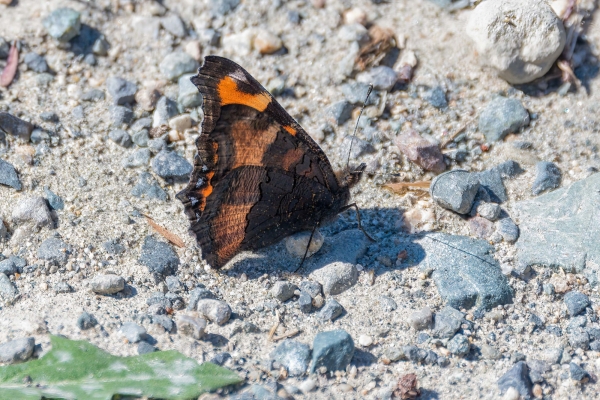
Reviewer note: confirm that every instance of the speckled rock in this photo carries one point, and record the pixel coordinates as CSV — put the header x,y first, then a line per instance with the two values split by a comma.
x,y
17,350
332,350
293,355
169,164
159,257
336,277
215,311
501,117
191,325
107,284
455,190
63,24
8,175
296,244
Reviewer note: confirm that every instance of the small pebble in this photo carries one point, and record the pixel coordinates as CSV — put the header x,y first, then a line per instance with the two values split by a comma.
x,y
548,177
164,111
121,90
107,284
15,126
459,345
381,77
267,42
296,244
336,277
293,355
63,24
145,348
365,340
133,332
181,122
577,373
54,250
215,311
120,137
421,151
489,211
120,116
332,350
147,98
176,64
516,377
17,350
576,302
421,320
86,321
507,229
174,25
35,62
188,95
138,158
437,97
93,95
169,164
501,117
331,310
159,257
455,190
191,325
9,176
340,112
283,290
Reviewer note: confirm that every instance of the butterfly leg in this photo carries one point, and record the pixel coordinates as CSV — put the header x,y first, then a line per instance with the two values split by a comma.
x,y
358,219
312,233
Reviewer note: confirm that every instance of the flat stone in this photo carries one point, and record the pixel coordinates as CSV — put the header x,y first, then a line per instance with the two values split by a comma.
x,y
345,247
283,290
169,164
332,350
133,332
120,115
54,250
138,158
113,246
421,320
8,175
196,295
107,284
455,190
8,290
122,91
176,64
188,96
86,321
164,111
63,287
501,117
54,200
174,25
34,209
577,373
447,322
312,288
555,228
15,126
191,325
296,244
490,353
517,377
421,151
340,112
381,77
159,257
331,310
120,137
63,24
148,188
576,302
145,348
93,95
36,62
547,177
17,350
293,355
464,271
336,277
164,322
459,345
492,180
215,311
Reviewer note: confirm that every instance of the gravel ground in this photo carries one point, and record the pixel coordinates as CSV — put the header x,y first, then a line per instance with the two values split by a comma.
x,y
81,154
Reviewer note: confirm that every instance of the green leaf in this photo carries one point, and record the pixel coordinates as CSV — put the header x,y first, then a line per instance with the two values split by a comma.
x,y
75,369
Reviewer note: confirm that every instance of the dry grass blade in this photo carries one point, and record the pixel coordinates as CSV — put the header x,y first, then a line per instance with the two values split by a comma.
x,y
10,70
401,186
285,335
381,41
170,236
407,387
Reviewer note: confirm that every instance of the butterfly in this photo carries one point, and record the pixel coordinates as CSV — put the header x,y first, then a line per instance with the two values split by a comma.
x,y
258,177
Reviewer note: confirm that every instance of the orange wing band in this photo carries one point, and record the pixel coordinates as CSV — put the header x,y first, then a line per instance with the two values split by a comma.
x,y
231,94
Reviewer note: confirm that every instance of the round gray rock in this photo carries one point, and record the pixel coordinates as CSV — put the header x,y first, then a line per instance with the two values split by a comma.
x,y
455,190
107,284
336,277
501,117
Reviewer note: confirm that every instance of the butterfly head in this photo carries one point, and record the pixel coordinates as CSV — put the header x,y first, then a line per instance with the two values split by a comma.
x,y
351,176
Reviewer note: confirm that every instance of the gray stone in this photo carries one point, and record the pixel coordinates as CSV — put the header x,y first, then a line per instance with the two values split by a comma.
x,y
35,62
4,49
455,190
490,352
332,350
176,64
147,187
100,46
421,320
464,271
188,96
90,59
387,304
142,123
216,311
579,338
340,112
113,247
122,91
447,322
120,116
421,151
336,277
553,355
38,136
86,321
163,321
54,200
491,180
556,228
459,345
283,290
63,24
164,111
120,137
8,267
141,138
138,158
305,302
3,231
437,97
222,7
173,284
197,294
356,93
311,287
547,176
63,287
133,332
501,117
93,95
54,250
489,211
174,25
107,284
293,355
594,333
34,209
191,325
8,175
331,310
577,373
145,348
359,147
507,229
576,302
8,290
169,164
17,350
77,114
157,145
15,126
413,353
537,369
517,377
49,116
159,257
381,77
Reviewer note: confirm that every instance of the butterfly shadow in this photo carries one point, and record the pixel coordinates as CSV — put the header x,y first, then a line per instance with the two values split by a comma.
x,y
345,243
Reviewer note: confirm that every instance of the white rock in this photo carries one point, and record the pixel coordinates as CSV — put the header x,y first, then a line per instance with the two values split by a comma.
x,y
191,325
511,394
266,42
296,244
33,209
107,284
521,39
308,385
239,44
365,340
181,122
214,310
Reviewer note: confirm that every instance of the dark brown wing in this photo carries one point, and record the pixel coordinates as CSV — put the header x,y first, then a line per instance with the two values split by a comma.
x,y
243,127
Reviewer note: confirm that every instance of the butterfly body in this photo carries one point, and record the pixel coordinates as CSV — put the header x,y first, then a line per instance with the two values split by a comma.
x,y
258,176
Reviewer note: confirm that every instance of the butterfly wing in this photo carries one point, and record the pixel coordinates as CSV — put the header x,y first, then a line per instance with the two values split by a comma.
x,y
258,175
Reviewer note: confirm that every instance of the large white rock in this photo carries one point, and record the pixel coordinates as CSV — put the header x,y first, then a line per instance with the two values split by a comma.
x,y
521,39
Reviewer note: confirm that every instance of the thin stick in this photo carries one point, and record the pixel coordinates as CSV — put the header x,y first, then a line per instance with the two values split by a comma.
x,y
357,121
358,219
307,246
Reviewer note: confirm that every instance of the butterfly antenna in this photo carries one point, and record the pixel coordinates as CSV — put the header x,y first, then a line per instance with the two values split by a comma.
x,y
357,121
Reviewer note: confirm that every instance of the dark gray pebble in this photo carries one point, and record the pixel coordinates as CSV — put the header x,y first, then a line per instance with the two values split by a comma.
x,y
147,187
340,112
35,62
15,126
120,116
501,117
455,190
145,348
159,257
54,250
293,355
518,378
577,373
17,350
120,137
93,95
169,164
547,177
8,175
576,302
122,91
331,310
86,321
437,97
332,350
